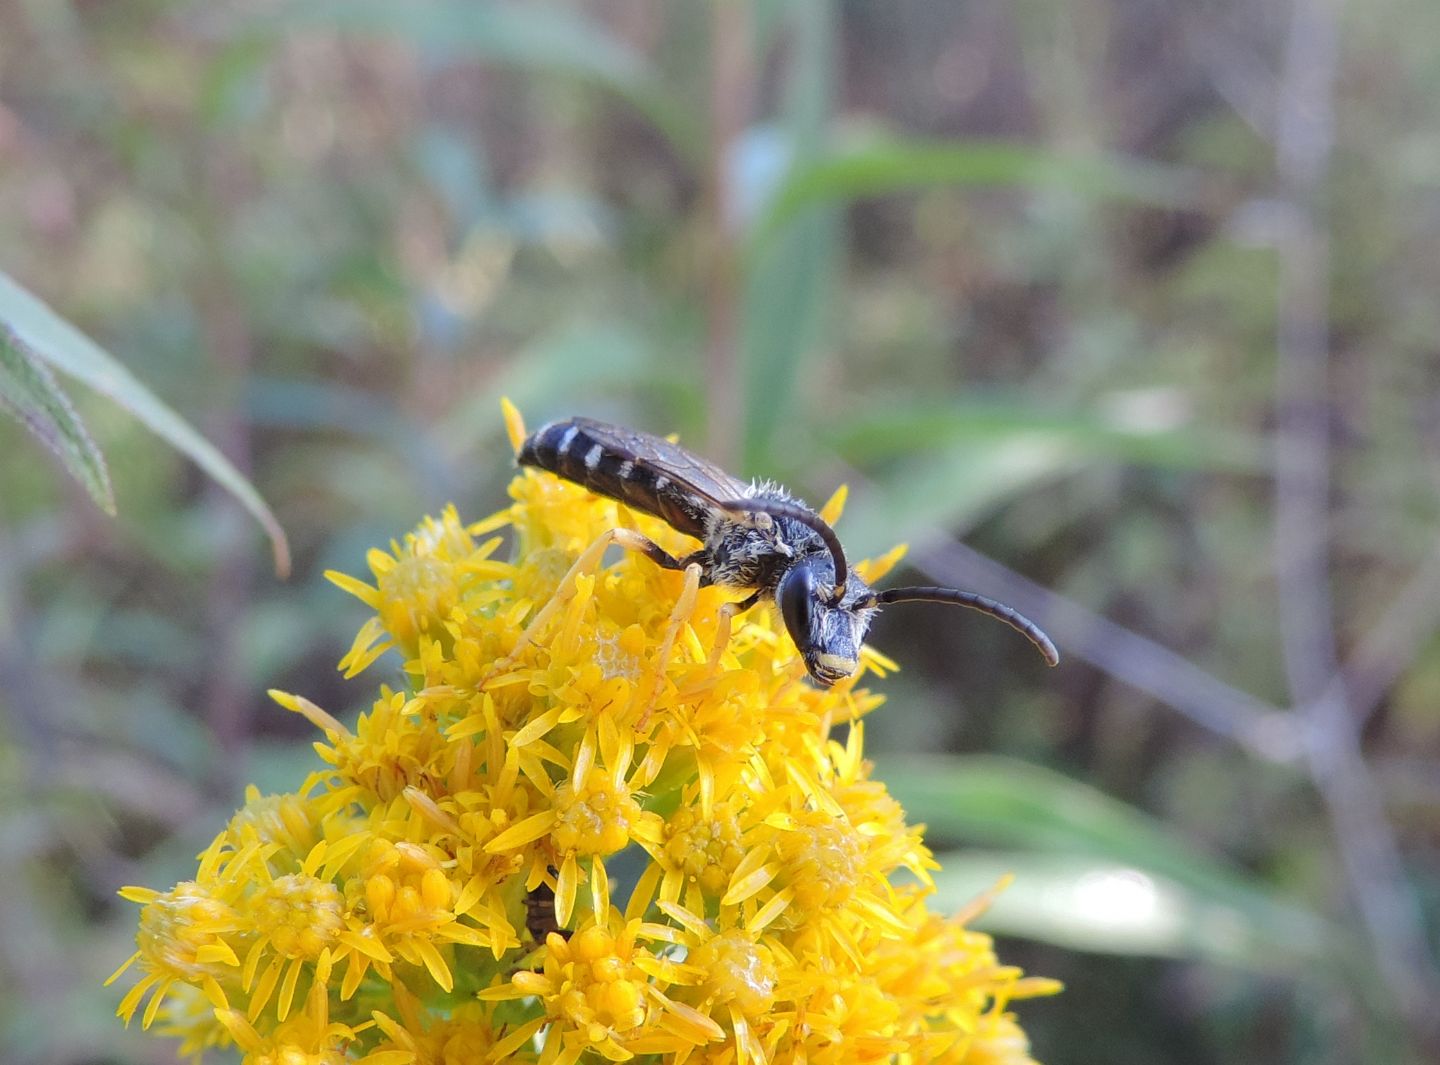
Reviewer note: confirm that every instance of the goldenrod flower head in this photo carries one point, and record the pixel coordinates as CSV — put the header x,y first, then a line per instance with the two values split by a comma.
x,y
729,884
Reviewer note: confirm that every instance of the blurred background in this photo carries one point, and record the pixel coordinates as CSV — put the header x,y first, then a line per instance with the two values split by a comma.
x,y
1136,297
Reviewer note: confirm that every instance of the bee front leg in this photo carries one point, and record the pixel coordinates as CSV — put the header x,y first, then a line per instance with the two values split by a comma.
x,y
722,628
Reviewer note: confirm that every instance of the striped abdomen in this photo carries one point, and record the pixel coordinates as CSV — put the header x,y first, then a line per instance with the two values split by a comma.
x,y
540,919
625,467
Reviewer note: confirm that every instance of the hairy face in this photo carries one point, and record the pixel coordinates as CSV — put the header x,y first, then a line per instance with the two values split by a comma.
x,y
828,635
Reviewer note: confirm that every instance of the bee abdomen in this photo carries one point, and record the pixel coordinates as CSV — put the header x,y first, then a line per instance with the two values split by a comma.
x,y
540,918
568,450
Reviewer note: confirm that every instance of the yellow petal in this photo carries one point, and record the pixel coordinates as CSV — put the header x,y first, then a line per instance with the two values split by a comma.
x,y
507,1047
771,910
835,505
287,990
874,569
644,892
748,1048
367,594
744,887
537,728
691,922
565,886
695,1025
514,423
599,889
522,832
434,963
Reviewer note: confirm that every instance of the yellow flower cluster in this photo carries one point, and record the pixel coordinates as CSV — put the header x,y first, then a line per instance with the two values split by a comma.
x,y
728,885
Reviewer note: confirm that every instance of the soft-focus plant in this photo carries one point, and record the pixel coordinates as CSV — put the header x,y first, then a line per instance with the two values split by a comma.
x,y
566,727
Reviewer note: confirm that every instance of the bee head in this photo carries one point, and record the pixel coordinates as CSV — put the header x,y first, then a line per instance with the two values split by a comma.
x,y
827,633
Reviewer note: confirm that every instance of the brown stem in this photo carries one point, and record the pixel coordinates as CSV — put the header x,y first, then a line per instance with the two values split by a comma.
x,y
1367,845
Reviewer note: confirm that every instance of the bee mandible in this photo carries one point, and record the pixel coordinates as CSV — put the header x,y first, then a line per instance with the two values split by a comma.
x,y
753,536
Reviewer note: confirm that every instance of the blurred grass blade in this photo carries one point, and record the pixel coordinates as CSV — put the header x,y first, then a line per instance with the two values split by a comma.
x,y
538,36
67,349
1001,802
1149,427
884,166
1083,903
590,357
789,285
955,488
30,392
786,293
978,454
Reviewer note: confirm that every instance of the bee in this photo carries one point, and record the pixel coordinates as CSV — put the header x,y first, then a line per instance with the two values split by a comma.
x,y
754,537
540,918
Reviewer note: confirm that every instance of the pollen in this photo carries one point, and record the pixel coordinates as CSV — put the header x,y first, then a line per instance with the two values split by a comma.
x,y
300,914
824,860
418,594
594,817
741,971
599,992
284,821
182,933
705,851
405,886
617,655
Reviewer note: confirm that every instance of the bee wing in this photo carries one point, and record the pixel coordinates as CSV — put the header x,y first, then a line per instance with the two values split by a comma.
x,y
685,469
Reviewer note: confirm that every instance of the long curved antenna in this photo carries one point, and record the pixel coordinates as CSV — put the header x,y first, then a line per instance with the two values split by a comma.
x,y
954,596
778,508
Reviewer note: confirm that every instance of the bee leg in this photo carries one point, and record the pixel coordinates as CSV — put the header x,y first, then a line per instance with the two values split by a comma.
x,y
722,629
631,540
589,560
684,607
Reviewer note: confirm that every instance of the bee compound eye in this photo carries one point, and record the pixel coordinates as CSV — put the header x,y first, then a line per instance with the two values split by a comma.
x,y
797,603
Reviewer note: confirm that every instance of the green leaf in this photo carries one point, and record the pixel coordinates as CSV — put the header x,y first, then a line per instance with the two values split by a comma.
x,y
1148,430
533,35
1002,802
883,166
978,454
537,35
561,371
789,285
29,391
67,349
954,488
787,291
1084,903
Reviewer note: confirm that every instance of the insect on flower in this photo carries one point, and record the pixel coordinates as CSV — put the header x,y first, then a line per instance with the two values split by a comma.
x,y
754,536
540,917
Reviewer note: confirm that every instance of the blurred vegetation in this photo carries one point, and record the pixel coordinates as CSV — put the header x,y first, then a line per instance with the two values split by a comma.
x,y
1063,278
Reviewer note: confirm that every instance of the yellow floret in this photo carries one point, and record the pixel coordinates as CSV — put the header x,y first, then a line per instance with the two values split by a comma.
x,y
566,718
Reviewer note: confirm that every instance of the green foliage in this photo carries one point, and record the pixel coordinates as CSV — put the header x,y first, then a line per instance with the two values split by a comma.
x,y
1008,271
29,391
874,167
44,334
1067,835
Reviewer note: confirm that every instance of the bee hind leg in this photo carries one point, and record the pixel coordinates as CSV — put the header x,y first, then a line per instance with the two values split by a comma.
x,y
631,540
679,616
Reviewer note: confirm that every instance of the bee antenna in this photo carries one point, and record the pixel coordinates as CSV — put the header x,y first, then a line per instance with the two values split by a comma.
x,y
779,508
999,611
